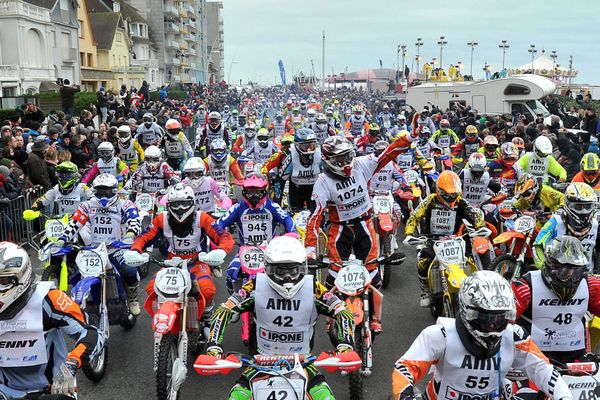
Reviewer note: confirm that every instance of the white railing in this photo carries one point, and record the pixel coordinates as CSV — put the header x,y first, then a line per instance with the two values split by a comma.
x,y
176,61
20,8
171,10
8,72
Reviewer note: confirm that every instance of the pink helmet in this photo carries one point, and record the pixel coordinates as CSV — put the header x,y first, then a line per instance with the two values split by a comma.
x,y
255,190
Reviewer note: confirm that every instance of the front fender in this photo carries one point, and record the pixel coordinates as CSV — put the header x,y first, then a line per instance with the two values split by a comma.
x,y
385,222
455,275
508,235
165,317
83,288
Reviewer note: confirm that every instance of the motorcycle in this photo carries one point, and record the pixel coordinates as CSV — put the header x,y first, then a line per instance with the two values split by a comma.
x,y
385,226
279,377
413,198
301,222
48,254
177,308
511,264
101,294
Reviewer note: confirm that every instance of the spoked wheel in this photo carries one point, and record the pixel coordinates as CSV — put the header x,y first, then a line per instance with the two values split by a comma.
x,y
386,269
448,307
95,369
167,354
356,378
505,265
52,274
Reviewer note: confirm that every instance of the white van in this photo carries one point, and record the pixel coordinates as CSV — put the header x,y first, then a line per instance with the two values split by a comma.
x,y
516,94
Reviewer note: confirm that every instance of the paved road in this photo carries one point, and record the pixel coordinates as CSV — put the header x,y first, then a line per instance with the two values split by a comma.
x,y
130,372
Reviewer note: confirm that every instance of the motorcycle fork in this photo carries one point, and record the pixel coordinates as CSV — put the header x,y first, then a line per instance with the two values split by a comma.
x,y
521,258
63,281
102,309
444,282
367,356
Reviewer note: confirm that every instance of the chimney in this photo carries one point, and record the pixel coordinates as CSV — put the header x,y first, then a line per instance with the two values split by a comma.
x,y
116,7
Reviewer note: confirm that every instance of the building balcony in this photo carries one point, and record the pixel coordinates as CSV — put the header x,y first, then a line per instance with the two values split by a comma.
x,y
191,37
191,52
12,8
69,55
170,10
193,66
183,46
9,72
172,44
177,78
183,30
183,13
171,27
175,61
151,63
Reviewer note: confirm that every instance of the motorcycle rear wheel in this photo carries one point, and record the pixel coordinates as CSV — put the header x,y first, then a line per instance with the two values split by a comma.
x,y
356,378
505,265
95,369
167,354
52,274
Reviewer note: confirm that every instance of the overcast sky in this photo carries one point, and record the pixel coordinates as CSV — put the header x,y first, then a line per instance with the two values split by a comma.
x,y
359,33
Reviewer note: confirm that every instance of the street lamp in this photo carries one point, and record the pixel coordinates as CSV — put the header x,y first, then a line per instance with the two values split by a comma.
x,y
570,69
418,45
533,51
417,59
553,56
504,45
403,48
441,43
403,58
472,43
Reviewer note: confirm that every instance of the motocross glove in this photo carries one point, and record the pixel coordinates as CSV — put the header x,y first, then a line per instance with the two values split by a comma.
x,y
64,380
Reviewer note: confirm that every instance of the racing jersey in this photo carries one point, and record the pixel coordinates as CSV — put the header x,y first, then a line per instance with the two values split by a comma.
x,y
278,128
548,200
152,182
507,176
356,125
322,131
116,167
61,204
205,194
489,157
242,143
260,154
273,311
458,374
383,180
255,226
291,167
556,326
178,149
226,171
48,314
149,136
189,245
444,139
542,167
474,190
386,119
132,154
208,135
463,150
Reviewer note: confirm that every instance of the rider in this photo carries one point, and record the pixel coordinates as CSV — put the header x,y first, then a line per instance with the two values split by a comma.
x,y
471,354
256,218
176,144
215,129
469,145
284,281
205,187
385,119
590,171
541,163
556,299
357,124
278,126
129,149
520,143
262,149
440,214
107,164
490,148
578,218
476,180
38,314
398,127
66,196
365,143
534,196
321,128
110,219
220,165
445,137
149,133
153,175
504,169
246,140
186,230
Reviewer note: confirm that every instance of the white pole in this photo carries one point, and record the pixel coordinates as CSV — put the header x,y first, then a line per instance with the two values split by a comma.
x,y
323,65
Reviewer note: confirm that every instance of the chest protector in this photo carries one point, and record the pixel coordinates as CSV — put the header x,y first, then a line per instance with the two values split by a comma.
x,y
128,154
205,200
356,124
148,134
443,140
461,375
174,149
320,133
219,172
212,135
68,203
425,149
382,180
153,182
284,326
475,190
588,241
386,119
442,221
105,223
257,226
22,337
471,148
349,197
302,175
557,325
109,167
187,246
537,166
279,128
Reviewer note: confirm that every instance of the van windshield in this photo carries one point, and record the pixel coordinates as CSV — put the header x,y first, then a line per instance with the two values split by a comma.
x,y
537,108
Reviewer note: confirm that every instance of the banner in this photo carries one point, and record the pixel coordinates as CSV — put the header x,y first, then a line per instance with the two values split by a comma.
x,y
282,72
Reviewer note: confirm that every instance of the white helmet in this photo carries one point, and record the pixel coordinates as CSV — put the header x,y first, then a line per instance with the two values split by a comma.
x,y
16,278
106,151
152,158
542,146
195,171
486,305
214,115
477,163
285,265
180,202
105,188
124,134
311,113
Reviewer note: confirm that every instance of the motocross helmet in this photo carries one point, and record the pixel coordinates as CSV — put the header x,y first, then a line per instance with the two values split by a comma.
x,y
491,144
68,176
542,147
424,135
519,142
147,119
250,131
509,154
444,125
590,167
380,147
124,134
152,159
214,120
580,203
195,171
338,155
106,151
285,265
565,264
181,202
262,137
486,305
305,141
471,133
477,164
255,190
16,279
528,188
218,150
105,188
374,129
448,188
173,128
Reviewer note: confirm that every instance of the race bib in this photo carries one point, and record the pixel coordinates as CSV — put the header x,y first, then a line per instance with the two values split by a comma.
x,y
442,221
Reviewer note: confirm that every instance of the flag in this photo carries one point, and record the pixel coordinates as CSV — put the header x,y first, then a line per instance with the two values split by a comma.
x,y
380,63
282,72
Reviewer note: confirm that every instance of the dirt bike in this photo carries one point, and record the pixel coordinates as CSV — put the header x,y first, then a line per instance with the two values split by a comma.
x,y
448,269
385,226
54,258
177,308
101,294
148,205
279,377
511,264
353,285
301,221
413,198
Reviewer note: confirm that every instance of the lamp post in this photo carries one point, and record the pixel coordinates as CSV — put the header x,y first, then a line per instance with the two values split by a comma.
x,y
533,51
398,64
441,43
504,45
403,47
570,69
472,43
418,45
553,56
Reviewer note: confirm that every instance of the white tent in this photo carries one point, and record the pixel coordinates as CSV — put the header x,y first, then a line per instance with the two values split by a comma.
x,y
543,66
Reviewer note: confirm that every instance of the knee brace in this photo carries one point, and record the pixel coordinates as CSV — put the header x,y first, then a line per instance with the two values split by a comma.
x,y
239,392
207,288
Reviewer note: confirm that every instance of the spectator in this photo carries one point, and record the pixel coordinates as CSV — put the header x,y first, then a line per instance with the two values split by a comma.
x,y
64,156
78,156
13,185
67,94
32,114
144,92
589,124
38,170
51,162
162,93
102,104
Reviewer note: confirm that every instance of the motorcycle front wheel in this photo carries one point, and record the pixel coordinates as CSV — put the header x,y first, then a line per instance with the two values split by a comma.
x,y
167,354
356,378
95,369
505,265
386,269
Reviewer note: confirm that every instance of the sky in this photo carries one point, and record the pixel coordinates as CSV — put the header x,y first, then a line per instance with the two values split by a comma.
x,y
258,33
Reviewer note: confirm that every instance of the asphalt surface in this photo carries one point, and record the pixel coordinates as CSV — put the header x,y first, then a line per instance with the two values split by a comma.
x,y
130,373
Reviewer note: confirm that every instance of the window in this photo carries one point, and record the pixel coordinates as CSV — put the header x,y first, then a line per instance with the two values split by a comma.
x,y
514,89
66,40
135,30
9,92
82,59
90,60
80,29
53,38
64,5
153,76
119,37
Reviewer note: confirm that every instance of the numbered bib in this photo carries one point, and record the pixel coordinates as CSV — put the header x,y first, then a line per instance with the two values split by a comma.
x,y
144,202
54,229
301,219
352,278
89,263
524,224
444,141
449,251
382,204
442,221
252,259
292,386
411,176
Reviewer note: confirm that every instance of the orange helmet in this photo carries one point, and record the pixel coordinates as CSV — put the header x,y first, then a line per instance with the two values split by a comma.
x,y
172,124
448,188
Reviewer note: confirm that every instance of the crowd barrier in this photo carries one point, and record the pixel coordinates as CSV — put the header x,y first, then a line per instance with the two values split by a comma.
x,y
14,228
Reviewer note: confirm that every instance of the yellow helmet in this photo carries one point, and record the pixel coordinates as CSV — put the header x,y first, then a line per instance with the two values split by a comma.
x,y
590,167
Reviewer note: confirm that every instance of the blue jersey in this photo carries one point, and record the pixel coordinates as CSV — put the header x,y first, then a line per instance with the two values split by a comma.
x,y
255,226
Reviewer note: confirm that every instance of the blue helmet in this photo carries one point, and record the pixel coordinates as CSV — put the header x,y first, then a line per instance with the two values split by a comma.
x,y
305,141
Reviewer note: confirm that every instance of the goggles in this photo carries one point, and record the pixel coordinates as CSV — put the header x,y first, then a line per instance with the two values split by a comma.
x,y
491,147
449,197
583,207
105,192
567,274
489,321
195,175
8,282
123,134
342,160
306,147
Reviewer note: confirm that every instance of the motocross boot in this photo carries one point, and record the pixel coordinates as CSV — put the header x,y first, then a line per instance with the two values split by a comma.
x,y
425,292
132,299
